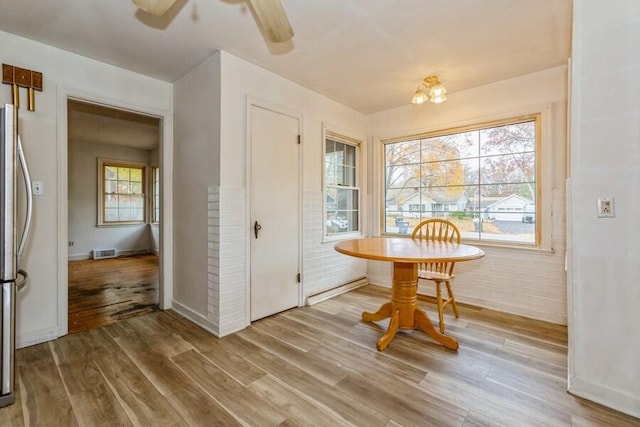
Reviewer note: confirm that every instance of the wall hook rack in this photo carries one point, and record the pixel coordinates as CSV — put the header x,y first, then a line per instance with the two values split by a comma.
x,y
21,77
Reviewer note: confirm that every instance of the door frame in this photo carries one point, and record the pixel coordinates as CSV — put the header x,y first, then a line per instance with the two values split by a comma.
x,y
253,102
165,291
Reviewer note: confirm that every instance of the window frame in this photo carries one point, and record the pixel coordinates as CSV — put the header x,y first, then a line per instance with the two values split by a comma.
x,y
104,162
536,118
341,137
155,213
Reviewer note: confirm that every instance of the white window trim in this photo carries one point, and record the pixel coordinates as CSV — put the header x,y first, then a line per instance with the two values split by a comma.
x,y
545,145
100,213
151,190
344,137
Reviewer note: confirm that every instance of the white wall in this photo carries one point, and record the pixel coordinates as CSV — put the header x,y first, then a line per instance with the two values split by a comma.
x,y
39,316
196,170
322,267
83,202
527,282
211,107
604,318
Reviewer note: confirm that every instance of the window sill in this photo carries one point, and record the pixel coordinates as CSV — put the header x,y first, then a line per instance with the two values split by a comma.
x,y
510,247
339,237
494,245
120,224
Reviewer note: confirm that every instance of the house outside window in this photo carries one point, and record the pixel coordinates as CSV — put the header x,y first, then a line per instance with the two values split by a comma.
x,y
483,178
342,188
121,192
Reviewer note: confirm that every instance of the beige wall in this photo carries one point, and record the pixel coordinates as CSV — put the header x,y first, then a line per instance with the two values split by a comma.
x,y
604,315
83,202
528,282
41,306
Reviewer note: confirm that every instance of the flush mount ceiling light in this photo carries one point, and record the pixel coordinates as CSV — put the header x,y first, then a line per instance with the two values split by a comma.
x,y
269,14
430,89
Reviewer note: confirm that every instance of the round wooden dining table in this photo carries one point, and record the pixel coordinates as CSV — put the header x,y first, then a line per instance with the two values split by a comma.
x,y
406,254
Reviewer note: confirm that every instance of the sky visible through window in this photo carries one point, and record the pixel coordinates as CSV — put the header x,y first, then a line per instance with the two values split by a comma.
x,y
483,179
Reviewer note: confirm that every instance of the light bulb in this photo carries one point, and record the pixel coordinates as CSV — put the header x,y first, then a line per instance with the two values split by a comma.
x,y
437,91
438,99
419,97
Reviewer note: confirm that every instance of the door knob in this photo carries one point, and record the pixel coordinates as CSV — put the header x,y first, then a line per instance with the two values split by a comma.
x,y
256,228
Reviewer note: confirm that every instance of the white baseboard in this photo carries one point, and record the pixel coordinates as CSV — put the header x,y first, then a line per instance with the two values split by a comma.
x,y
233,327
119,252
330,293
385,285
606,396
195,317
39,336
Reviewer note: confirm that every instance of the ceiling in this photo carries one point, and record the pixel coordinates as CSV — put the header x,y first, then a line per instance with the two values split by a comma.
x,y
103,125
368,55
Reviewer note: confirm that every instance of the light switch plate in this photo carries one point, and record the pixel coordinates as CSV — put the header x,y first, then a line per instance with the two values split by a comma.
x,y
606,207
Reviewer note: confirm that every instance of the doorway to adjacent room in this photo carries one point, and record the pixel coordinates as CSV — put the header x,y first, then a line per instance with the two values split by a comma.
x,y
114,199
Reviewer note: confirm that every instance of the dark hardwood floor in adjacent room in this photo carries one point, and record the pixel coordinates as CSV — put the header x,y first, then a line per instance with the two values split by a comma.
x,y
310,366
108,290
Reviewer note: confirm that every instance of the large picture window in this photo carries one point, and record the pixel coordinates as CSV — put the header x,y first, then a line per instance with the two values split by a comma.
x,y
482,178
122,193
342,191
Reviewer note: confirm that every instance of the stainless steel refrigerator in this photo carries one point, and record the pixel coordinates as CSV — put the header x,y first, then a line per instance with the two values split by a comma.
x,y
12,277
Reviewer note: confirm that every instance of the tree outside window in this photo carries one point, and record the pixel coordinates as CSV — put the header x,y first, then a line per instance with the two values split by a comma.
x,y
482,178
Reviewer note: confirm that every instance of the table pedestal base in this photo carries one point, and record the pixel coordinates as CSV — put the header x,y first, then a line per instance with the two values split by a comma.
x,y
403,309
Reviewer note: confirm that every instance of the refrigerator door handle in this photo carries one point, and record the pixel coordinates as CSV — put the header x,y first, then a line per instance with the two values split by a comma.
x,y
27,185
21,281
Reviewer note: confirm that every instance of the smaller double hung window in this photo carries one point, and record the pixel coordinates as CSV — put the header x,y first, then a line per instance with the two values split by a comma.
x,y
121,193
342,190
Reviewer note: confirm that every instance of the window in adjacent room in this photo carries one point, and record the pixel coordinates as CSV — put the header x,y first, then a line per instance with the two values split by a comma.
x,y
155,194
483,178
121,192
342,189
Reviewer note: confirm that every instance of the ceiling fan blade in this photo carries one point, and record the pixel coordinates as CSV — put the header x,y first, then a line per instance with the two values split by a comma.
x,y
272,19
154,7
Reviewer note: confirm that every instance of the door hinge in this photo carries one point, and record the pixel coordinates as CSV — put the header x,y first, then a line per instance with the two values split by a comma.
x,y
298,278
299,138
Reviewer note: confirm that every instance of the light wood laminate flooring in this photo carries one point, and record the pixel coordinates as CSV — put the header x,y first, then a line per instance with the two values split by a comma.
x,y
105,291
310,366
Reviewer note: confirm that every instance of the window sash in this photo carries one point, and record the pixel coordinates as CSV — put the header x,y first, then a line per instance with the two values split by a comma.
x,y
342,195
123,193
416,169
155,195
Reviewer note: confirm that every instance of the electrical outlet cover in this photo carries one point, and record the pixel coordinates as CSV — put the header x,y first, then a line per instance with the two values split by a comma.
x,y
606,207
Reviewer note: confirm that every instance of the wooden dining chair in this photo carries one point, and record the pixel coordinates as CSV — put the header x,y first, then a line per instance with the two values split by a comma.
x,y
439,272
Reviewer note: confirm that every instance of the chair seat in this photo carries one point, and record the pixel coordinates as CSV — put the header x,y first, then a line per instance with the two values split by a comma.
x,y
433,275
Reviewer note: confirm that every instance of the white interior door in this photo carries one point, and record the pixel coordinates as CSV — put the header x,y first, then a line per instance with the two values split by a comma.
x,y
275,212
